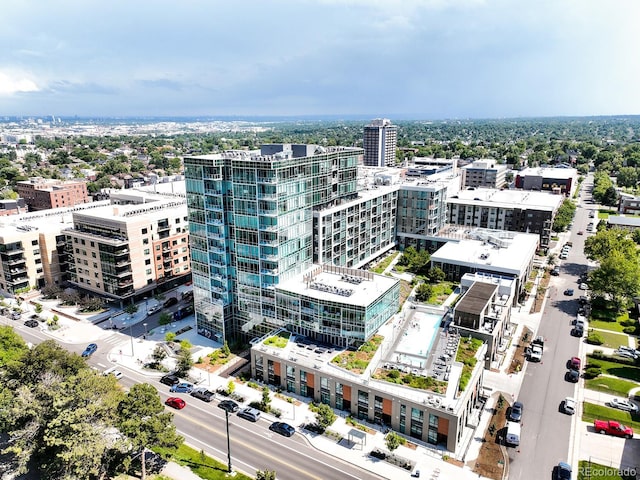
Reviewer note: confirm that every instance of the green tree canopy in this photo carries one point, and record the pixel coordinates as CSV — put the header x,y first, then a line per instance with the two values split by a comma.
x,y
617,277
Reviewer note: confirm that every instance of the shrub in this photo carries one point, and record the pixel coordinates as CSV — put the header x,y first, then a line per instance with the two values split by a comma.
x,y
630,330
594,339
592,372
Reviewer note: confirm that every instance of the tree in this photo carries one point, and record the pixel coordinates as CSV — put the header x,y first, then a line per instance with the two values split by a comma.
x,y
225,349
231,387
266,398
165,318
265,475
393,441
424,292
618,277
12,346
325,416
600,245
185,361
158,355
142,418
610,196
437,275
627,177
564,216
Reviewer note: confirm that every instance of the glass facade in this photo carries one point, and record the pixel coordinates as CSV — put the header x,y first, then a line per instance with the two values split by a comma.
x,y
250,220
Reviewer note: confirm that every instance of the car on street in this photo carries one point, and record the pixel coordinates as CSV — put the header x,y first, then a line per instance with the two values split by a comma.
x,y
612,428
572,376
170,379
622,404
248,413
282,428
577,331
31,323
203,394
575,363
562,471
569,405
515,412
170,302
176,403
569,292
90,350
229,405
113,371
153,309
580,232
183,387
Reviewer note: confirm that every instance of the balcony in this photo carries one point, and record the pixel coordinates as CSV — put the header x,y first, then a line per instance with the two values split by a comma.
x,y
268,212
124,273
15,281
268,228
217,193
15,262
267,196
122,263
269,243
125,283
271,258
267,180
163,227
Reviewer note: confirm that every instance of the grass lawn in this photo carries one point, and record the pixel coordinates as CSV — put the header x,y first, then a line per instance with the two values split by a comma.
x,y
614,386
379,268
358,361
611,326
441,292
608,315
616,369
592,412
203,465
279,341
594,471
612,339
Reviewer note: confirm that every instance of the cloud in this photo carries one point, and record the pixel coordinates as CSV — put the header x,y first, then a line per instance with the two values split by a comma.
x,y
11,84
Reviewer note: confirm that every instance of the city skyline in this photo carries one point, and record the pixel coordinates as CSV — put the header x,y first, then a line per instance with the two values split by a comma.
x,y
406,59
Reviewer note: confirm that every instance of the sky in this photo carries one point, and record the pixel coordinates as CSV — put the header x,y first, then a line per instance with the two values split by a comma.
x,y
401,59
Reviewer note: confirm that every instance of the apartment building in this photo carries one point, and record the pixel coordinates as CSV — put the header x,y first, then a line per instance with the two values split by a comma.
x,y
379,142
13,207
512,210
32,252
251,225
484,173
492,252
556,180
44,194
130,249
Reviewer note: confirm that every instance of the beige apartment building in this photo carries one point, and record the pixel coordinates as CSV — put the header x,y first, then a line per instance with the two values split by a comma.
x,y
125,250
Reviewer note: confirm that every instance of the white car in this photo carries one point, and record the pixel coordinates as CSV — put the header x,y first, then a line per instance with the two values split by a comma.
x,y
112,371
626,354
569,406
583,286
622,404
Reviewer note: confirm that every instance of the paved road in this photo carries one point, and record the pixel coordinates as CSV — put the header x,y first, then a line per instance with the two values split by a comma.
x,y
546,432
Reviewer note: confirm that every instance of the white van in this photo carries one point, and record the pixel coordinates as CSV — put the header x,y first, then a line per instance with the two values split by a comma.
x,y
512,438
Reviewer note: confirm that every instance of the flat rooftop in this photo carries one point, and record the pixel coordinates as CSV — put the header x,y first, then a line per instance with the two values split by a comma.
x,y
349,288
548,172
506,252
508,198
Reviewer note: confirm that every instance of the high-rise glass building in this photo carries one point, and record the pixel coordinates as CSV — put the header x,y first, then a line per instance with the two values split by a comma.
x,y
380,139
251,227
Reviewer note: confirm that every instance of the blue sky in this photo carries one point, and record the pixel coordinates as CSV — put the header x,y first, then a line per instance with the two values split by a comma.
x,y
406,59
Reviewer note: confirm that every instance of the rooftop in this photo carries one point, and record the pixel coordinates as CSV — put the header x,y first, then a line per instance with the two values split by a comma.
x,y
508,198
549,172
475,299
623,221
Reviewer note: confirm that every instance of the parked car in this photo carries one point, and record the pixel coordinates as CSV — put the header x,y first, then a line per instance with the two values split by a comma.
x,y
577,331
583,286
569,406
153,309
622,404
248,413
569,292
184,387
583,300
580,232
203,394
572,376
625,354
170,379
562,471
612,428
170,302
176,403
229,405
556,271
31,323
90,350
575,363
515,412
282,428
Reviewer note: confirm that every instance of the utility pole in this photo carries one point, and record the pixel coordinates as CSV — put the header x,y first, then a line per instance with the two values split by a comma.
x,y
228,442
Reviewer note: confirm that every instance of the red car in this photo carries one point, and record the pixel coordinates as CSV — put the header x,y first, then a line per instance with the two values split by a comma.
x,y
176,403
575,363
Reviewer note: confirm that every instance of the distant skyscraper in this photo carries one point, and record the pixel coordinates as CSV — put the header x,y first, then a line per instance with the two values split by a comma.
x,y
380,138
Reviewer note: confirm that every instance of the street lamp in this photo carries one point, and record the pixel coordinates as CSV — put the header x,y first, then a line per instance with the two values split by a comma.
x,y
131,336
145,330
146,306
228,441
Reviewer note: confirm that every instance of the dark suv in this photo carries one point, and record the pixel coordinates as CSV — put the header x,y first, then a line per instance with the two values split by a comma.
x,y
170,380
170,302
282,428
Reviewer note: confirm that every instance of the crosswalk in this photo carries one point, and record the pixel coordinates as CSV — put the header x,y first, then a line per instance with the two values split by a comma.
x,y
115,339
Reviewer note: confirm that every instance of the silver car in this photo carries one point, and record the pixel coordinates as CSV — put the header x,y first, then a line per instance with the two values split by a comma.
x,y
622,404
